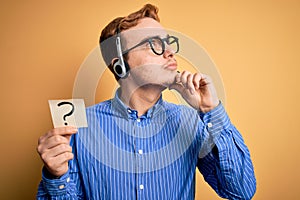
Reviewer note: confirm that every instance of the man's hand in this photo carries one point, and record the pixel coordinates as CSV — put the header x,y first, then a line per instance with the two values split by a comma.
x,y
197,90
55,150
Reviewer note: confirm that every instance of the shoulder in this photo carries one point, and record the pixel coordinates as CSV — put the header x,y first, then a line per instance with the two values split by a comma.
x,y
100,107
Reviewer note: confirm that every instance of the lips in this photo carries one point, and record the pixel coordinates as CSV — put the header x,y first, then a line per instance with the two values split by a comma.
x,y
171,66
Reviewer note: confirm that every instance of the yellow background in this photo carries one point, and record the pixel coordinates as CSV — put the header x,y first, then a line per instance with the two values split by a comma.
x,y
255,45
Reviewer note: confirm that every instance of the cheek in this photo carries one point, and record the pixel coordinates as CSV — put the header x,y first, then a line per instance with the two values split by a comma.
x,y
142,58
137,59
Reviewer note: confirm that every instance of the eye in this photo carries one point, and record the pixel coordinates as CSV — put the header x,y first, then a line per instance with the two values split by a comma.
x,y
156,42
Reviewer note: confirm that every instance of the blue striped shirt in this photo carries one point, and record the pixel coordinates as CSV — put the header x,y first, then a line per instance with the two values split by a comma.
x,y
123,156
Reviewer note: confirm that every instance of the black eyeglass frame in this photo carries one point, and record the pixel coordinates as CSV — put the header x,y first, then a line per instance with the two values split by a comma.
x,y
162,40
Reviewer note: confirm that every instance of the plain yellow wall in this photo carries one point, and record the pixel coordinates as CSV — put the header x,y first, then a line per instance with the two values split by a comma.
x,y
255,45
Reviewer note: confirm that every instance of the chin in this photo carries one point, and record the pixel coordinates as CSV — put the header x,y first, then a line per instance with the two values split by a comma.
x,y
169,79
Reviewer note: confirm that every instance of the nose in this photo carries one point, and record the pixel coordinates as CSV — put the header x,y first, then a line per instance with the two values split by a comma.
x,y
169,52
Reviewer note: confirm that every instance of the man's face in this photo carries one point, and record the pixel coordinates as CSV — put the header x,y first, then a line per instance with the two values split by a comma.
x,y
146,67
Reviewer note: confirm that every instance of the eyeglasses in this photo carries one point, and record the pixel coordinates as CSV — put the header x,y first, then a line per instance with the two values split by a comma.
x,y
157,44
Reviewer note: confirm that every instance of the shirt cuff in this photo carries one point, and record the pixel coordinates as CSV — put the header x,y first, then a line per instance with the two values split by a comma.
x,y
215,121
56,186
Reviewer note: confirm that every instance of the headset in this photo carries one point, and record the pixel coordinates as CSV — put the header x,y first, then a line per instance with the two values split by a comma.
x,y
120,66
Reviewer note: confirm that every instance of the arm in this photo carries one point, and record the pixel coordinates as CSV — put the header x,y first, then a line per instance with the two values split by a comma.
x,y
224,158
60,179
227,168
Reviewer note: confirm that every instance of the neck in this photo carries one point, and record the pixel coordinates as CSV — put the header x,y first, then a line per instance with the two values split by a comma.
x,y
142,98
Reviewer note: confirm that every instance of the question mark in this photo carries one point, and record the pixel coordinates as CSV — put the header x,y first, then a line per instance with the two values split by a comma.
x,y
68,114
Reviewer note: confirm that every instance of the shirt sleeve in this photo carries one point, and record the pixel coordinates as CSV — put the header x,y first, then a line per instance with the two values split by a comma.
x,y
67,186
225,159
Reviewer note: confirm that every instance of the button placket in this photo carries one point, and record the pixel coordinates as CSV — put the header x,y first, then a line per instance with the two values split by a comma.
x,y
139,156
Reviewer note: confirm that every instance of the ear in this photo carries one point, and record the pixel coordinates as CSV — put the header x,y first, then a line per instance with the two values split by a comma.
x,y
113,61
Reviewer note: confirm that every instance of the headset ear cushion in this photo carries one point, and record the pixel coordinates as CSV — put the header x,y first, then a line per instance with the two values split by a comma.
x,y
121,70
117,67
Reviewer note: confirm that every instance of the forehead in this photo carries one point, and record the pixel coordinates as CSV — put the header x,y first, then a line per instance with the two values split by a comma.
x,y
147,27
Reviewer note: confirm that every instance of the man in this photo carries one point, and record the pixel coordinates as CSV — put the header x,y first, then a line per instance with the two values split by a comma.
x,y
138,146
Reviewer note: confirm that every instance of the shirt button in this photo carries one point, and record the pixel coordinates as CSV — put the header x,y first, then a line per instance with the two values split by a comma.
x,y
140,151
61,187
68,179
209,125
141,187
128,110
138,120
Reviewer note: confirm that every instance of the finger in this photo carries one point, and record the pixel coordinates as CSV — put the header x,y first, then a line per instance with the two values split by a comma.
x,y
67,130
178,77
190,84
184,78
55,140
59,149
196,80
64,157
54,154
54,137
205,80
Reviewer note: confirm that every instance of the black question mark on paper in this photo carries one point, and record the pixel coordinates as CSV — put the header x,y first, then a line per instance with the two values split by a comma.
x,y
69,113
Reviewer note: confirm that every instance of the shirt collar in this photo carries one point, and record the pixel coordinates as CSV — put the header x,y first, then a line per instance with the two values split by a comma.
x,y
120,108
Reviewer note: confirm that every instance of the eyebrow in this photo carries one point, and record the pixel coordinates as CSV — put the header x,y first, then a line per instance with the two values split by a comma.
x,y
149,37
160,36
145,40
